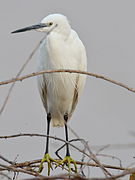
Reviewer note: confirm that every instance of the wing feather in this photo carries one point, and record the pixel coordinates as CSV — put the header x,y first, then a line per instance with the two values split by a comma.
x,y
43,92
75,96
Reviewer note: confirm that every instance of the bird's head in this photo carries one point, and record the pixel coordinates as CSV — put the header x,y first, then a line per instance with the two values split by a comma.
x,y
53,22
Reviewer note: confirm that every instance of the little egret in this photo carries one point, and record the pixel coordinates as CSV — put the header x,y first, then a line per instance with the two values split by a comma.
x,y
62,49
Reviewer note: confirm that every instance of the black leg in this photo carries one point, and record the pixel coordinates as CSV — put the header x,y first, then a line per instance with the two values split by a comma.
x,y
66,132
48,129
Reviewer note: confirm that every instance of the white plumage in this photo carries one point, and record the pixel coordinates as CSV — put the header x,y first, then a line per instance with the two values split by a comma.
x,y
62,49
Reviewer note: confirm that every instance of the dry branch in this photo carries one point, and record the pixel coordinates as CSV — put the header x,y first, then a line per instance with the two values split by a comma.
x,y
27,163
5,175
67,71
18,74
27,166
14,169
91,155
34,162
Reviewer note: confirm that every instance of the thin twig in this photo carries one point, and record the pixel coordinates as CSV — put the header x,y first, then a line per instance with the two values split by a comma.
x,y
5,175
62,176
116,146
82,160
14,169
91,155
6,160
57,152
110,156
67,71
17,76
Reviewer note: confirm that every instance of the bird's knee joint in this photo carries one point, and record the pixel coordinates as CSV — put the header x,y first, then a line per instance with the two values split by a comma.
x,y
49,116
66,117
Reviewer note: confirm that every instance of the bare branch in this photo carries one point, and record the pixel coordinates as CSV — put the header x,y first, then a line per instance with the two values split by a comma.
x,y
57,152
113,157
91,155
77,177
26,167
34,162
6,160
67,71
18,74
28,163
62,176
14,169
116,146
5,175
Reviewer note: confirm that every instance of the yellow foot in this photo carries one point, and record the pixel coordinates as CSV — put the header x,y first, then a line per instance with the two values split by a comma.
x,y
49,160
67,161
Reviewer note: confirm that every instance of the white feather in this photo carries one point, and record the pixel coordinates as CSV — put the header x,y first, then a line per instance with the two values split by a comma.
x,y
62,49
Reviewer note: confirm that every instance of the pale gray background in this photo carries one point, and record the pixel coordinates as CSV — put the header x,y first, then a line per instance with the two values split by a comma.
x,y
105,114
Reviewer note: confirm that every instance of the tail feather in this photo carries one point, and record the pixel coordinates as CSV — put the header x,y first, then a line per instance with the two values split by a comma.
x,y
57,122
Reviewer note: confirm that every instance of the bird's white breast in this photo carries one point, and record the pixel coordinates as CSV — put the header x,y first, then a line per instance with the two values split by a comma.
x,y
60,52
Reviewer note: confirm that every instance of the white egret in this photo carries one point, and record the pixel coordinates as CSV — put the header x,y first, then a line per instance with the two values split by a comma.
x,y
62,49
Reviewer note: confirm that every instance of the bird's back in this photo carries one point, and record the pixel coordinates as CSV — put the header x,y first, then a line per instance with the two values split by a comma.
x,y
60,91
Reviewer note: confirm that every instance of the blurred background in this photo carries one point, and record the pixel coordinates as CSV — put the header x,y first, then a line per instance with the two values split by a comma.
x,y
106,112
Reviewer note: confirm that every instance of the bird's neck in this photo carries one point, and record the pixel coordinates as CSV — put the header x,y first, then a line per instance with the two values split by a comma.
x,y
62,30
57,44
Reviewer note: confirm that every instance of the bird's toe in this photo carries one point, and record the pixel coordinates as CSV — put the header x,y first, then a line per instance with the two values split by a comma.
x,y
68,161
49,161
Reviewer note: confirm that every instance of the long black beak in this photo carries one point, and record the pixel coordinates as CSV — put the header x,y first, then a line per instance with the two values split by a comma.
x,y
34,27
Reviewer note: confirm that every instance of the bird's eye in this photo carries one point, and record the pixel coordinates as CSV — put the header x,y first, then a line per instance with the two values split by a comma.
x,y
51,23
